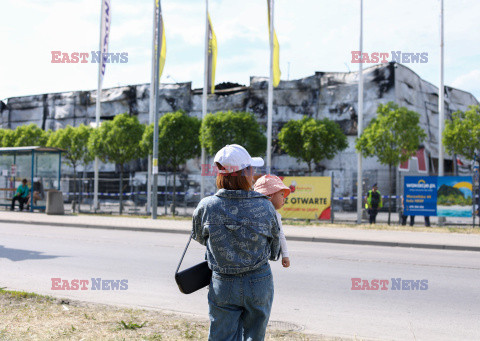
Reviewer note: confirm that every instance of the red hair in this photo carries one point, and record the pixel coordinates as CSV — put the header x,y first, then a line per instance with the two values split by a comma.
x,y
235,180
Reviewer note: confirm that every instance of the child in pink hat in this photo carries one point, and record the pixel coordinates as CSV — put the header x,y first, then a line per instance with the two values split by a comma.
x,y
274,188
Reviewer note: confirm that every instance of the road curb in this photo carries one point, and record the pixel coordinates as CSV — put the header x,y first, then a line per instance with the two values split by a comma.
x,y
385,243
101,227
293,238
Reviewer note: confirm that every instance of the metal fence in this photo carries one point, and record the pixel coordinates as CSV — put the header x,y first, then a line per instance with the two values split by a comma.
x,y
79,192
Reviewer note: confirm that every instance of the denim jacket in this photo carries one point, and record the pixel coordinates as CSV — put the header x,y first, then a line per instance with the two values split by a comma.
x,y
239,228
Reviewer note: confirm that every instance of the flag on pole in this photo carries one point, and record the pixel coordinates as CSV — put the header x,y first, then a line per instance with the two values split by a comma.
x,y
105,34
276,51
105,20
163,50
212,56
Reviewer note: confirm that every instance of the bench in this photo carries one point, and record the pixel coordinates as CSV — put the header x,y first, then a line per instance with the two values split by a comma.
x,y
7,202
4,201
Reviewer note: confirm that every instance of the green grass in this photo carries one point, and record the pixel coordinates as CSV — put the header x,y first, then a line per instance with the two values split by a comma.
x,y
153,337
23,295
142,216
393,227
131,325
467,229
37,317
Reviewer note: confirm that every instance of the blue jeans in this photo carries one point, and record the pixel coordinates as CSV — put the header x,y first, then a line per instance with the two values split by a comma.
x,y
240,305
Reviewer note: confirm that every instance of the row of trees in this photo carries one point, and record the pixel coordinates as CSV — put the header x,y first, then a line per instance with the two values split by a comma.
x,y
180,138
395,135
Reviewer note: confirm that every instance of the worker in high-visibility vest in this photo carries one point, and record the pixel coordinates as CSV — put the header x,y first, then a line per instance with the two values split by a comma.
x,y
373,203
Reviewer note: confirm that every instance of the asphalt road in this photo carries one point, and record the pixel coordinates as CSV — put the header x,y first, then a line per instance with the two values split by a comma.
x,y
315,293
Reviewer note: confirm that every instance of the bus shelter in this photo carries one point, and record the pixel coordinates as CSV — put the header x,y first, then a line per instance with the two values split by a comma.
x,y
41,166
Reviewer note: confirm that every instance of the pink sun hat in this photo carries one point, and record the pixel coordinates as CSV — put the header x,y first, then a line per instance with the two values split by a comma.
x,y
270,184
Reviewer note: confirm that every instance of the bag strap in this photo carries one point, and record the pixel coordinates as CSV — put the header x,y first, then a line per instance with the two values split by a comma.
x,y
184,251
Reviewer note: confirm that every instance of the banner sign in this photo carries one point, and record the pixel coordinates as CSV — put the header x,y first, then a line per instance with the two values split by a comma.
x,y
310,197
454,196
420,195
444,196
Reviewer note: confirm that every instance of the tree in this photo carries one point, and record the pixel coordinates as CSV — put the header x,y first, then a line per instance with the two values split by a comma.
x,y
312,140
3,132
229,127
117,141
393,137
462,134
75,143
8,138
26,135
178,141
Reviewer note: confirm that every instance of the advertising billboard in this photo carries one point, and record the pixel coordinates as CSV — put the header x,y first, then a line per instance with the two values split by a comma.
x,y
443,196
310,197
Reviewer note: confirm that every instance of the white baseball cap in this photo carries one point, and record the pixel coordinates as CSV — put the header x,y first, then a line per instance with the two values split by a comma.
x,y
234,157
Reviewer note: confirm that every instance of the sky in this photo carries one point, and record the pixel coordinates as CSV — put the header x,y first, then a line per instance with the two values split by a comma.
x,y
314,35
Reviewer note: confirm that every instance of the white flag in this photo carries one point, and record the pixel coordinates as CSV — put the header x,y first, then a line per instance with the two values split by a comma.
x,y
105,34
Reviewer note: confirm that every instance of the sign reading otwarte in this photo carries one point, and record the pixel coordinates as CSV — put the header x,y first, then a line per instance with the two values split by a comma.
x,y
443,196
310,197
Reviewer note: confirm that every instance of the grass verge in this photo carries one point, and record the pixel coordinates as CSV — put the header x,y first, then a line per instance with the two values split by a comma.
x,y
385,227
314,223
36,317
142,216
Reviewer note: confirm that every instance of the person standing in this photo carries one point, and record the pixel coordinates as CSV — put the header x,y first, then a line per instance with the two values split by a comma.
x,y
240,230
374,202
21,195
412,220
412,217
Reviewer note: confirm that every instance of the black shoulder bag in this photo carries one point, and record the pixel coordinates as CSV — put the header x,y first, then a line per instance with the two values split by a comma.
x,y
194,278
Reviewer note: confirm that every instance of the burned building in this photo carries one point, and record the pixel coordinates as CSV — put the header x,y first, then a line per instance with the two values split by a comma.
x,y
332,95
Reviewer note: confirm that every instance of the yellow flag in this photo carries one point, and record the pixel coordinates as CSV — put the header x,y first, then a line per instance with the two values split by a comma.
x,y
276,60
276,52
163,52
212,56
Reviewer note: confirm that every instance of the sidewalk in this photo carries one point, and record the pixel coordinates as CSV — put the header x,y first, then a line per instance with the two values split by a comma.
x,y
342,235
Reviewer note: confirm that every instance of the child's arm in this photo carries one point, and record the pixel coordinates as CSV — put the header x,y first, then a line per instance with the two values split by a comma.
x,y
283,244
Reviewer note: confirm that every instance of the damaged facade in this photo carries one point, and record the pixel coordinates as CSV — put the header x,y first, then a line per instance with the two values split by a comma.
x,y
332,95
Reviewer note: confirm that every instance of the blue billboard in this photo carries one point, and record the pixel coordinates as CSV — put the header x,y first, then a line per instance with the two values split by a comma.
x,y
443,196
420,195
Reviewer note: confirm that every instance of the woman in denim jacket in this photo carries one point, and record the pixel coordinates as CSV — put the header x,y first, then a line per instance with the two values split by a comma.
x,y
240,230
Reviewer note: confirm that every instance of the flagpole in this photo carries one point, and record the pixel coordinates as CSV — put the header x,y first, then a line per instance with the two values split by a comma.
x,y
204,103
98,108
360,123
441,100
152,109
270,94
155,77
441,109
